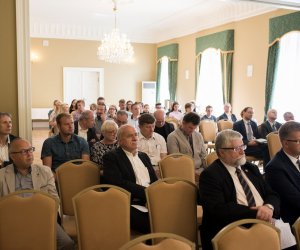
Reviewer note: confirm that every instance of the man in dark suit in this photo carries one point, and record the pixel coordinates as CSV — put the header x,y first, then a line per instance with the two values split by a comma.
x,y
270,125
283,173
132,170
249,130
223,195
161,126
227,115
85,127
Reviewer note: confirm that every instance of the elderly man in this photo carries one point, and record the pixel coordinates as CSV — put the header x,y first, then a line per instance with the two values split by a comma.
x,y
5,138
187,140
151,143
23,175
121,118
232,189
288,116
84,127
227,115
161,126
65,146
283,172
270,125
132,170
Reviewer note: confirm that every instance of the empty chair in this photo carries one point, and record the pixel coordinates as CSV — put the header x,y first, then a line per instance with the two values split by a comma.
x,y
72,177
102,215
274,143
261,235
169,242
224,124
172,204
208,130
211,157
28,222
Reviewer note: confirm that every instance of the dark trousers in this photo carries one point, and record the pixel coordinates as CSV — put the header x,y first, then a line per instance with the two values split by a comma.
x,y
260,151
139,221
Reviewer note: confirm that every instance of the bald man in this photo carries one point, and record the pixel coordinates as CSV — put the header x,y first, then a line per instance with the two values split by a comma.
x,y
161,126
270,125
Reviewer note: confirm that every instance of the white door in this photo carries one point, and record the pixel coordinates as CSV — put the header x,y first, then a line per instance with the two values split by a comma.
x,y
83,83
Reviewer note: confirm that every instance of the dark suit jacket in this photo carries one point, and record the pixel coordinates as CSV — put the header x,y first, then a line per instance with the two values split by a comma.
x,y
91,134
265,128
239,126
165,130
218,198
11,138
117,170
224,117
284,178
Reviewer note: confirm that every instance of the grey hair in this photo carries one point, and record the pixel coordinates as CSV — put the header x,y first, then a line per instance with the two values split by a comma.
x,y
122,112
5,114
121,130
224,138
109,125
287,128
85,115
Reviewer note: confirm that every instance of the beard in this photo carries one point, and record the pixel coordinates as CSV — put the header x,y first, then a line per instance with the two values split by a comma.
x,y
241,161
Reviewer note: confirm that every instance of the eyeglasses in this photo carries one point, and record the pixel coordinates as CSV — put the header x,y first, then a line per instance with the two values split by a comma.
x,y
296,141
237,149
25,151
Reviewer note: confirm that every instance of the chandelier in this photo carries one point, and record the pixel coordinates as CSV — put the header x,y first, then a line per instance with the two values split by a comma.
x,y
115,47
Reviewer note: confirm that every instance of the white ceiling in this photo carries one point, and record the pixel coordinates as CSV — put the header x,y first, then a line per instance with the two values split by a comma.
x,y
144,21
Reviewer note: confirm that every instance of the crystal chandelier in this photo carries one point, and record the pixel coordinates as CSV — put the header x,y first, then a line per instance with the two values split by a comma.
x,y
115,47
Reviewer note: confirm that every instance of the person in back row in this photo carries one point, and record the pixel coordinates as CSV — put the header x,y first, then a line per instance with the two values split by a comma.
x,y
208,115
161,126
270,125
227,115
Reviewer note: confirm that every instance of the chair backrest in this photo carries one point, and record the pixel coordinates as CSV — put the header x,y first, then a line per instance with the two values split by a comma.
x,y
234,236
72,177
102,214
211,157
172,204
296,230
169,242
173,120
178,165
274,143
28,222
208,130
224,124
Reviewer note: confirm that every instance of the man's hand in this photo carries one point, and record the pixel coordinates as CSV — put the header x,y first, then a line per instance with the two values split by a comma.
x,y
252,143
263,213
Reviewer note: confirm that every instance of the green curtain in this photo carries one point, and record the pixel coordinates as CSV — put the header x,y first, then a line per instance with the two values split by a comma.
x,y
224,41
278,26
171,51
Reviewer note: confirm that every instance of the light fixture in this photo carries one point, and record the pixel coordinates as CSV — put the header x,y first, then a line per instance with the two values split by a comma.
x,y
115,47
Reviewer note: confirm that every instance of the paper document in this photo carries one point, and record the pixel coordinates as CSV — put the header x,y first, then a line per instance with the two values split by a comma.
x,y
141,208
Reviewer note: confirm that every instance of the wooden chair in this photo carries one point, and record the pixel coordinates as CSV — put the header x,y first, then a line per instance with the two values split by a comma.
x,y
208,130
169,242
102,214
72,177
28,222
211,157
172,205
296,230
224,124
234,236
274,143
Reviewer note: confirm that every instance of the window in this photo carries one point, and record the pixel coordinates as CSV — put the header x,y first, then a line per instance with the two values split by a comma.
x,y
287,78
209,89
164,80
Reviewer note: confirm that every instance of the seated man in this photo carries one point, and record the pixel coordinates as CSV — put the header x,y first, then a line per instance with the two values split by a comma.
x,y
270,125
232,189
186,140
283,172
23,175
5,138
288,116
227,115
151,143
65,146
161,126
132,170
133,119
248,129
208,115
100,118
84,127
121,118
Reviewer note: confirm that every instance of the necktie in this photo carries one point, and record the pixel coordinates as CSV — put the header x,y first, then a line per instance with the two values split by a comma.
x,y
248,193
273,127
249,131
298,163
190,139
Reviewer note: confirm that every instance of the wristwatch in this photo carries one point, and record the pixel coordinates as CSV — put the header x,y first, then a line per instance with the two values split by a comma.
x,y
269,206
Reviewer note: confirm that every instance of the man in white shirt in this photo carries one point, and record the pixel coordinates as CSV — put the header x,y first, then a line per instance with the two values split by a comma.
x,y
151,143
133,119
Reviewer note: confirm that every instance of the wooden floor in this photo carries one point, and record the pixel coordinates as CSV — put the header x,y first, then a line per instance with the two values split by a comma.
x,y
39,135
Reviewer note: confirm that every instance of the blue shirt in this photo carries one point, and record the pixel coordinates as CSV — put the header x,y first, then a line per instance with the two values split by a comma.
x,y
62,152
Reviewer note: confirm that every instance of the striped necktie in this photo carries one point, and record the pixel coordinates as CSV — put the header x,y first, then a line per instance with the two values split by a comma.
x,y
247,190
249,132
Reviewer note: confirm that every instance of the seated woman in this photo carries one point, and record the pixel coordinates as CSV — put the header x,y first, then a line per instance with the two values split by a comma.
x,y
109,142
175,112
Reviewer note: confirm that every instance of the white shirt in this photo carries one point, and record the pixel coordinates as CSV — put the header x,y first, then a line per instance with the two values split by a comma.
x,y
293,160
141,172
240,194
177,115
153,147
82,132
4,151
134,122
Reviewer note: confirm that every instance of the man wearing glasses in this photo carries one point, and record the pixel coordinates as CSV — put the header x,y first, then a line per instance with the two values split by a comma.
x,y
232,189
24,175
283,173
